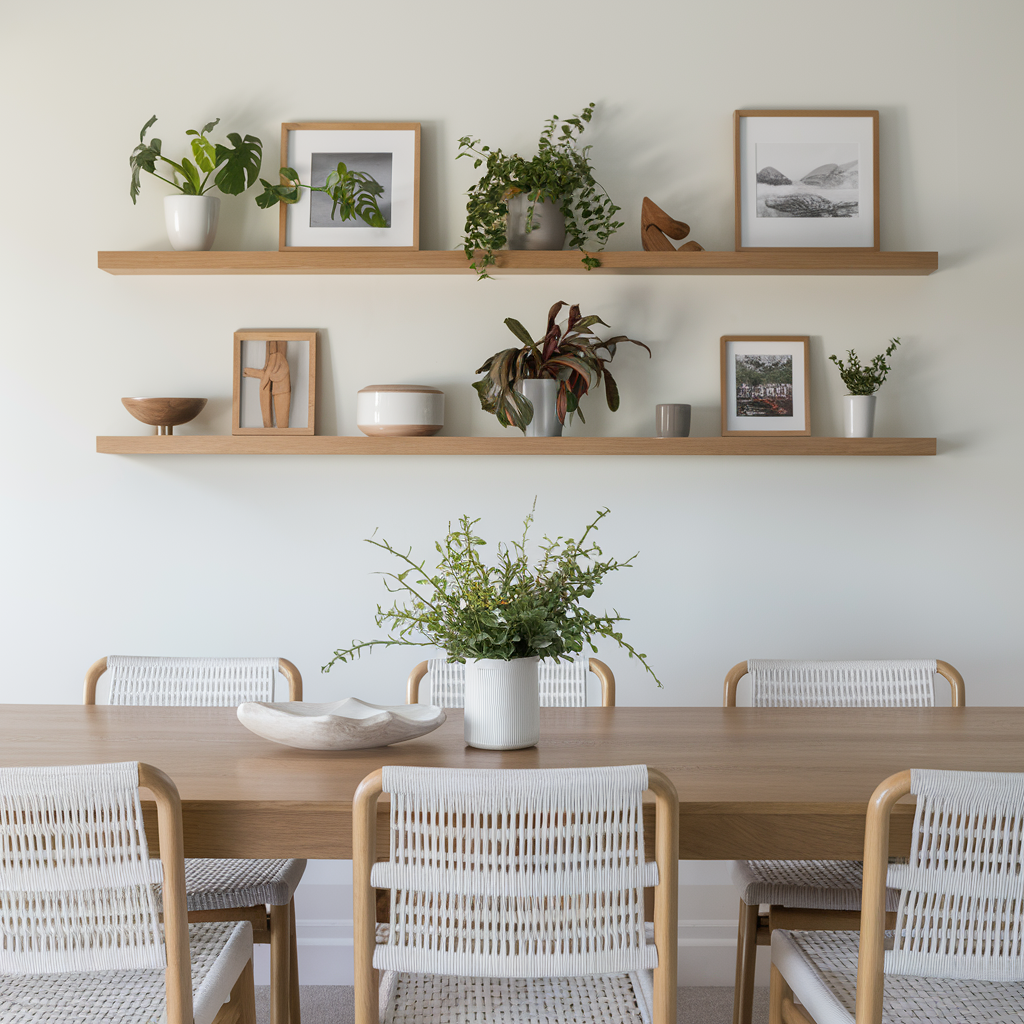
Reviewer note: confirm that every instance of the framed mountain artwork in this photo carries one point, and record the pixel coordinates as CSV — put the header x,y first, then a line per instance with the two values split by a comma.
x,y
806,179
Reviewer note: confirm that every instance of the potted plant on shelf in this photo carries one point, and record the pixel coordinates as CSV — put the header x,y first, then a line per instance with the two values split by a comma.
x,y
862,382
191,217
499,620
536,386
352,193
535,203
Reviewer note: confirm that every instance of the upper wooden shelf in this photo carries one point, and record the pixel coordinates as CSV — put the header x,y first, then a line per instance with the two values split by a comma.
x,y
341,261
196,444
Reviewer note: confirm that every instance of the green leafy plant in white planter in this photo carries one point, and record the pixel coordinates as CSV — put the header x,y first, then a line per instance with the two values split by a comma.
x,y
499,620
862,382
191,216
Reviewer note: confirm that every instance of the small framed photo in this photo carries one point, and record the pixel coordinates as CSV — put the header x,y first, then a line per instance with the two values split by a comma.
x,y
384,153
275,382
765,385
806,179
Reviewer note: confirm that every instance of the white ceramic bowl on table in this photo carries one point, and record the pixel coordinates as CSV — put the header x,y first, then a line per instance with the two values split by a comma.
x,y
399,410
349,724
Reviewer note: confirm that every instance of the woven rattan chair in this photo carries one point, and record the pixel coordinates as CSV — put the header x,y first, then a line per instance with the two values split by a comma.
x,y
224,890
955,952
516,895
820,893
80,934
563,684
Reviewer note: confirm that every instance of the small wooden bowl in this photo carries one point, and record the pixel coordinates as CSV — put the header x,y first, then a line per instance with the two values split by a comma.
x,y
164,413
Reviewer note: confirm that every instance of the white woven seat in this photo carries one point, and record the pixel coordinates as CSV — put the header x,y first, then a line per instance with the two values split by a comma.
x,y
516,895
821,968
808,884
219,952
230,884
956,953
562,684
435,999
829,887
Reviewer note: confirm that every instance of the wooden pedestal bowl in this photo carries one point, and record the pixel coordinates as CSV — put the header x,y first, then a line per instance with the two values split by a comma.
x,y
164,413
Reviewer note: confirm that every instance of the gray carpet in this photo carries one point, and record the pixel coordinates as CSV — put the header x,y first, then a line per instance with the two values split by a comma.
x,y
332,1004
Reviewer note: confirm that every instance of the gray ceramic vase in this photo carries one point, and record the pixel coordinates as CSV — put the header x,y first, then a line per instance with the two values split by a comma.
x,y
548,224
542,395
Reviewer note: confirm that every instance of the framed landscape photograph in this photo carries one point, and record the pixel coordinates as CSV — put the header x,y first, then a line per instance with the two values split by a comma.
x,y
382,162
274,389
806,179
765,385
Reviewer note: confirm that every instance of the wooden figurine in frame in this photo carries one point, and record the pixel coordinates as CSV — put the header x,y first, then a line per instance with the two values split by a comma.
x,y
274,388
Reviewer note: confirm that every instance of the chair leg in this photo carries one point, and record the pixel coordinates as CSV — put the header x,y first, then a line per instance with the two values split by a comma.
x,y
280,966
294,968
746,961
778,991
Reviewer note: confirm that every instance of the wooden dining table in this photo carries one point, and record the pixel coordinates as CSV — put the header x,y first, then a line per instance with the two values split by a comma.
x,y
752,782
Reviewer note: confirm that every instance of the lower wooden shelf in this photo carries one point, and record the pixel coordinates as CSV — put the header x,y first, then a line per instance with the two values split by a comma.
x,y
197,444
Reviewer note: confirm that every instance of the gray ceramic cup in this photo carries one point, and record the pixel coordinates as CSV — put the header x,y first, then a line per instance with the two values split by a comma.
x,y
672,420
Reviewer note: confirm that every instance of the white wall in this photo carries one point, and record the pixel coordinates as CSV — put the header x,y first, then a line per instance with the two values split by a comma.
x,y
868,557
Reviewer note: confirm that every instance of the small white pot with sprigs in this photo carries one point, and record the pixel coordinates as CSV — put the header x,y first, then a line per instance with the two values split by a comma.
x,y
862,383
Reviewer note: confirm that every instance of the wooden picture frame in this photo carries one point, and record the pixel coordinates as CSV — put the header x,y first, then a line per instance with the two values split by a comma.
x,y
307,146
834,211
739,418
257,394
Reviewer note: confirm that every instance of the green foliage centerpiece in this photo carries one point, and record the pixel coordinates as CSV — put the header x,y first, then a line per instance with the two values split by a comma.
x,y
499,620
559,173
504,611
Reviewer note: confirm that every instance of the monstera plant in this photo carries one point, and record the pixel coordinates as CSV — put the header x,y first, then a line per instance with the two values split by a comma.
x,y
233,168
353,194
570,353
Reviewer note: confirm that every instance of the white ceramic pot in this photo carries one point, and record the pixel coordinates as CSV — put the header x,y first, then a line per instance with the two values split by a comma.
x,y
859,415
542,395
547,230
399,410
191,222
502,710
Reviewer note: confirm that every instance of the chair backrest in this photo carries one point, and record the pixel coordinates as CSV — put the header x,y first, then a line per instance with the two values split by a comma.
x,y
516,873
191,682
961,910
75,872
563,684
848,684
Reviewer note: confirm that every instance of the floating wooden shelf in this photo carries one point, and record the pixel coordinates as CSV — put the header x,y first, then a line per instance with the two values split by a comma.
x,y
195,444
340,261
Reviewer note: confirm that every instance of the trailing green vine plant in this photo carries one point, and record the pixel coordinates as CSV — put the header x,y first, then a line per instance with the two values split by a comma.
x,y
560,173
233,168
354,194
507,610
864,380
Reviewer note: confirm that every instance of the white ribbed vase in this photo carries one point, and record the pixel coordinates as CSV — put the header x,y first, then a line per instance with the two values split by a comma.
x,y
502,710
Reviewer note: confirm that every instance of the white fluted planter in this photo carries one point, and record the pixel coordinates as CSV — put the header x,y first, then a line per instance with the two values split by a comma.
x,y
502,709
191,222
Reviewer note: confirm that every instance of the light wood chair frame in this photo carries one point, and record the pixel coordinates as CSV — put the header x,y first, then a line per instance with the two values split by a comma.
x,y
241,1008
275,927
666,895
874,920
599,668
755,929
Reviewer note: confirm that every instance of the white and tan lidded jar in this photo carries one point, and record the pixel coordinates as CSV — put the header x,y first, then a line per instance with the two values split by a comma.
x,y
399,410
